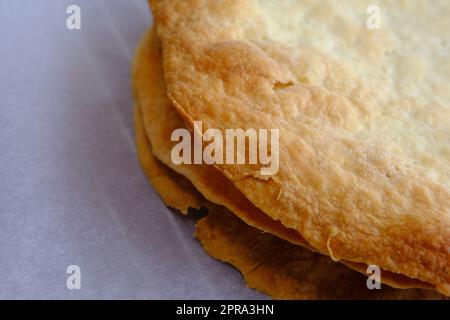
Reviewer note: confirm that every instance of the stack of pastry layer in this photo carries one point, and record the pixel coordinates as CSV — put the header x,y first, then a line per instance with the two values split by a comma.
x,y
364,155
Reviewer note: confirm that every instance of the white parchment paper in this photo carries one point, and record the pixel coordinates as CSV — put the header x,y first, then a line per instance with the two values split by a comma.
x,y
71,188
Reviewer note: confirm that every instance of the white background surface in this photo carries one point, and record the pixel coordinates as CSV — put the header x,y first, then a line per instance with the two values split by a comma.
x,y
71,188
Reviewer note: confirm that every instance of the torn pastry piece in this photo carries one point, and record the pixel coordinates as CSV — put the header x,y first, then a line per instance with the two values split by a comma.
x,y
268,264
363,116
161,119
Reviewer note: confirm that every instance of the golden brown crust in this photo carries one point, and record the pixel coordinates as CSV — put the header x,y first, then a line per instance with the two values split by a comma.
x,y
345,189
226,239
160,119
175,190
286,271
